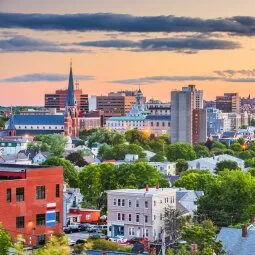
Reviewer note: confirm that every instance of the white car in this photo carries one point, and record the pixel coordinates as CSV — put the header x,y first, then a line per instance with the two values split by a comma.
x,y
71,242
118,239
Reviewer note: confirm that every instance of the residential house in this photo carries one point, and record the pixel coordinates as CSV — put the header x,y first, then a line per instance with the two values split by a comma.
x,y
40,157
167,168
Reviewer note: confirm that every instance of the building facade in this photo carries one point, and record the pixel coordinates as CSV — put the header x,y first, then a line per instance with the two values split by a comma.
x,y
156,107
188,116
31,201
116,104
230,102
138,213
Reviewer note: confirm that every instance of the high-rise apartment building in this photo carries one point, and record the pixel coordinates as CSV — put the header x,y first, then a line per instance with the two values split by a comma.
x,y
58,100
230,102
188,116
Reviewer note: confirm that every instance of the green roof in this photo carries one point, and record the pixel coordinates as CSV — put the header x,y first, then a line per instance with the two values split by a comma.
x,y
128,118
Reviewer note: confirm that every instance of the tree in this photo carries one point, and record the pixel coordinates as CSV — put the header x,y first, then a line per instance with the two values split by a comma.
x,y
236,147
57,245
252,171
5,241
201,151
181,165
229,200
159,157
218,145
226,164
203,235
250,162
70,173
252,123
180,151
54,143
246,154
196,180
136,135
77,158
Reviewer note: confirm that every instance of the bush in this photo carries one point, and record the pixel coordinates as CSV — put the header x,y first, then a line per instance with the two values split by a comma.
x,y
105,245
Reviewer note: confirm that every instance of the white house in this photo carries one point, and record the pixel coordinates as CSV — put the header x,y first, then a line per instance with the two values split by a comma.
x,y
12,146
131,157
167,168
138,212
40,157
210,163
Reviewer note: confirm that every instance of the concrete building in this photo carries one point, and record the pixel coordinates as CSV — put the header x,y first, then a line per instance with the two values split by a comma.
x,y
31,201
116,104
138,213
217,122
10,146
58,99
156,107
234,119
188,116
92,103
230,102
158,124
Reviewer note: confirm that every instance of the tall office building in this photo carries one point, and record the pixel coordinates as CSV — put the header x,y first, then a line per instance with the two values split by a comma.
x,y
230,102
58,100
188,116
116,104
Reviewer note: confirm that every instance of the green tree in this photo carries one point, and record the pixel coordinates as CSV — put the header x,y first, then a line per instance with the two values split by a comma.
x,y
218,145
133,135
252,171
5,241
181,165
230,200
77,158
70,173
236,147
250,162
196,180
180,151
226,164
201,151
246,154
252,123
57,245
203,235
159,157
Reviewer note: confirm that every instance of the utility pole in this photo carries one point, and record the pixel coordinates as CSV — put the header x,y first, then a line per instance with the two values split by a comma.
x,y
163,247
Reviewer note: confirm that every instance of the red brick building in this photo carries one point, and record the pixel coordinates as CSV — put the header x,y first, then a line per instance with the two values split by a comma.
x,y
84,215
31,200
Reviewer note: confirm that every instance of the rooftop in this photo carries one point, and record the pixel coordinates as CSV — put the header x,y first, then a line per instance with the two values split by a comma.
x,y
18,168
151,191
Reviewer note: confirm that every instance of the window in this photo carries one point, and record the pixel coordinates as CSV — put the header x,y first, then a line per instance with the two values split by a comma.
x,y
155,203
57,190
146,218
8,195
40,239
151,124
155,217
40,219
130,217
118,216
137,217
146,232
40,192
161,217
146,204
123,202
157,124
20,194
137,203
57,217
114,202
119,202
129,203
123,216
20,222
161,201
131,231
163,124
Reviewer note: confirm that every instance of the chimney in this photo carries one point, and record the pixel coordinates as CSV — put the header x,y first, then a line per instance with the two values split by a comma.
x,y
147,187
157,186
244,230
253,220
193,248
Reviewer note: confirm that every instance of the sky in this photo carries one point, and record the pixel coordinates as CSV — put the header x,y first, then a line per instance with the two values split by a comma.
x,y
118,44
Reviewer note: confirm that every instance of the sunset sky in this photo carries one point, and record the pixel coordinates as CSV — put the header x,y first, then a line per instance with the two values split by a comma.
x,y
118,44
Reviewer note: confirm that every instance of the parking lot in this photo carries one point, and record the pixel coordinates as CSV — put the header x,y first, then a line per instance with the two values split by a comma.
x,y
83,235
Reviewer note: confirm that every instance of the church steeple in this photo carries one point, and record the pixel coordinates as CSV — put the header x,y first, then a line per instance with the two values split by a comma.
x,y
70,99
11,129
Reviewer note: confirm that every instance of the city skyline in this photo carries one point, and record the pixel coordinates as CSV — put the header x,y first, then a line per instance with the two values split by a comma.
x,y
112,51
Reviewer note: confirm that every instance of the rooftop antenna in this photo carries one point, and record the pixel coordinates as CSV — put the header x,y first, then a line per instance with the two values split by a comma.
x,y
71,62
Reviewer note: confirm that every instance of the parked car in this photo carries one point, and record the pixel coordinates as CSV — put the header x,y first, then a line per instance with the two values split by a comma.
x,y
67,230
80,241
134,240
71,242
102,228
92,228
84,226
75,227
98,236
118,239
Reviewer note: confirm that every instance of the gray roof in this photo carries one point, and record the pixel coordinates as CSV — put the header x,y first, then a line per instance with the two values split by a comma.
x,y
233,242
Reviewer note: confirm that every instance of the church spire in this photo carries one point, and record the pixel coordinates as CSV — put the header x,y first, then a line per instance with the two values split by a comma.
x,y
70,99
11,129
